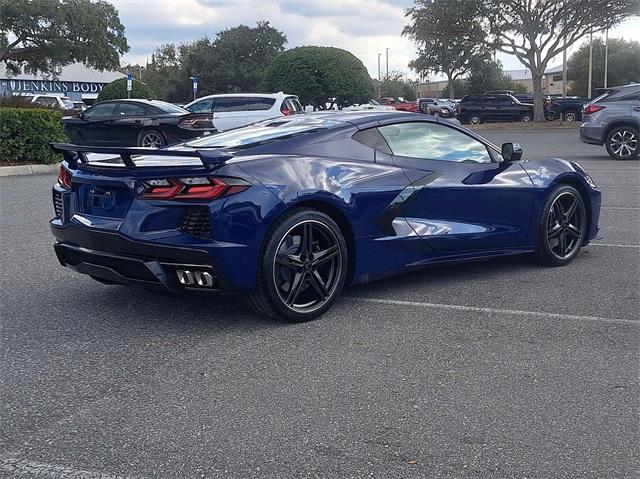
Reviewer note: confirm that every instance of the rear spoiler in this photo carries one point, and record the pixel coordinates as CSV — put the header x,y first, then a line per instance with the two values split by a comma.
x,y
74,154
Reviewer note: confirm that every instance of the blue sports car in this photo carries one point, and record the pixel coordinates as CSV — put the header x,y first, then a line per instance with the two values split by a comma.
x,y
289,211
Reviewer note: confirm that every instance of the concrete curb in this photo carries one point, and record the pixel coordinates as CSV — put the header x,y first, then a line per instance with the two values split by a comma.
x,y
20,170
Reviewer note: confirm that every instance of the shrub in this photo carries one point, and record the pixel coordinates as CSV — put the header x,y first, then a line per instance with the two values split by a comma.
x,y
25,135
118,89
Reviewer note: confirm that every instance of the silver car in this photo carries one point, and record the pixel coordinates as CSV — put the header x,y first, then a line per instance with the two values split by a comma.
x,y
613,120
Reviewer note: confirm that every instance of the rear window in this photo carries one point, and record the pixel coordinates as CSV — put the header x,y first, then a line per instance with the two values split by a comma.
x,y
292,104
264,131
168,107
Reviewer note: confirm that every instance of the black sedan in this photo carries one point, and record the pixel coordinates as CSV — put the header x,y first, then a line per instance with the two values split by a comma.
x,y
150,123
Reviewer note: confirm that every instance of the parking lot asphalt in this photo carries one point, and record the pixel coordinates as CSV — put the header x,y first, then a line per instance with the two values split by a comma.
x,y
491,369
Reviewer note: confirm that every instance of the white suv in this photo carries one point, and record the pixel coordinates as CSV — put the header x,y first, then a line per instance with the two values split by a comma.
x,y
53,101
234,110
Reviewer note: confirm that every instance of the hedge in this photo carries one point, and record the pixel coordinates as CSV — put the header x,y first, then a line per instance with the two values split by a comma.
x,y
25,135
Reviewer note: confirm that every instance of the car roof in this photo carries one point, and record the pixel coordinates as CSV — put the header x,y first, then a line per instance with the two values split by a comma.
x,y
244,95
367,118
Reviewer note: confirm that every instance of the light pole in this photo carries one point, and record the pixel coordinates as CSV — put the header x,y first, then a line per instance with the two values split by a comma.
x,y
379,85
606,55
387,76
590,62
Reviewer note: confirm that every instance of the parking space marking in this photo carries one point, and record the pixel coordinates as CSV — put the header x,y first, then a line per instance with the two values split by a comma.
x,y
22,467
619,186
620,208
477,309
614,245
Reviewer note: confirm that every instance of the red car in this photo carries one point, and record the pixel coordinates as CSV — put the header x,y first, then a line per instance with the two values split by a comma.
x,y
400,104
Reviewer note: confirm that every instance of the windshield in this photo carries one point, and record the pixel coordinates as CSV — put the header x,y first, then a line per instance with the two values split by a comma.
x,y
68,104
267,130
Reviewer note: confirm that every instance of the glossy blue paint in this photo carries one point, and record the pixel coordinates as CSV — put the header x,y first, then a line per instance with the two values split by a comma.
x,y
456,211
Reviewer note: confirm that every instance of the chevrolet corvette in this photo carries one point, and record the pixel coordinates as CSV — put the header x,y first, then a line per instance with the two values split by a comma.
x,y
288,212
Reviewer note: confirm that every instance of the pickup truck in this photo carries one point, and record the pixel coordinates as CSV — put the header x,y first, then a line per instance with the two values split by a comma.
x,y
567,109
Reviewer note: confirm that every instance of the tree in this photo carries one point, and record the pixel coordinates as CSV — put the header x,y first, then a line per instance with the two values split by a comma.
x,y
118,89
394,85
621,69
41,35
320,75
234,61
537,31
244,53
488,75
448,35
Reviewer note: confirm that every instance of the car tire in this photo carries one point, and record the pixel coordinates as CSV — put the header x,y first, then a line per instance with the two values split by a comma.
x,y
622,143
570,116
562,228
525,118
151,138
475,119
292,284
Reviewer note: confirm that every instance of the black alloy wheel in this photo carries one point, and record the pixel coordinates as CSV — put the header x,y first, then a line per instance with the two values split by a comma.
x,y
563,227
303,268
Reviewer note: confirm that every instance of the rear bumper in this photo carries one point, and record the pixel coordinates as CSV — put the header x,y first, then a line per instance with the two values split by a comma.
x,y
591,135
114,258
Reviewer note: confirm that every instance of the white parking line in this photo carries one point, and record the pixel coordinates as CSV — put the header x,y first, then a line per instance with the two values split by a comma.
x,y
614,245
618,186
476,309
620,208
22,467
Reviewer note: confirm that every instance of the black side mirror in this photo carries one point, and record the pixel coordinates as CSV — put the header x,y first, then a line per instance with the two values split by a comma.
x,y
511,152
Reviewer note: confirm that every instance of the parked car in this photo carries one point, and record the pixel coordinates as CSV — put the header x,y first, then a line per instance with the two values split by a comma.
x,y
53,101
613,120
437,107
400,104
79,105
524,98
372,105
149,123
493,107
565,108
289,211
236,110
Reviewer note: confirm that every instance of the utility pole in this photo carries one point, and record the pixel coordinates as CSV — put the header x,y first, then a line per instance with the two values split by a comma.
x,y
564,69
606,55
387,77
590,62
379,84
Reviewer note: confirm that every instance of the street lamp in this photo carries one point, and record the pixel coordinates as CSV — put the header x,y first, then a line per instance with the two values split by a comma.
x,y
379,55
387,64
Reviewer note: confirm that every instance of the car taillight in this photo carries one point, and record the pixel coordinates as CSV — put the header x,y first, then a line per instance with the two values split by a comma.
x,y
193,121
193,188
64,178
589,109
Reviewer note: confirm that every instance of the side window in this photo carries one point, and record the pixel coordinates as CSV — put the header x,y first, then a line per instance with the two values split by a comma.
x,y
204,106
430,141
100,110
130,109
230,103
259,103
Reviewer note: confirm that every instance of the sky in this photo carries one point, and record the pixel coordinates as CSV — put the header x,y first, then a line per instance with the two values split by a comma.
x,y
363,27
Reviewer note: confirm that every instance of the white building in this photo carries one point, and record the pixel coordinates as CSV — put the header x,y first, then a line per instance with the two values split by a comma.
x,y
75,81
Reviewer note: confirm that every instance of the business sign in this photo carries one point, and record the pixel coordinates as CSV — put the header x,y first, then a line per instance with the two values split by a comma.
x,y
50,86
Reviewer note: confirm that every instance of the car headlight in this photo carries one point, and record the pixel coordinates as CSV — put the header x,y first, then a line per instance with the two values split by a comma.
x,y
586,175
